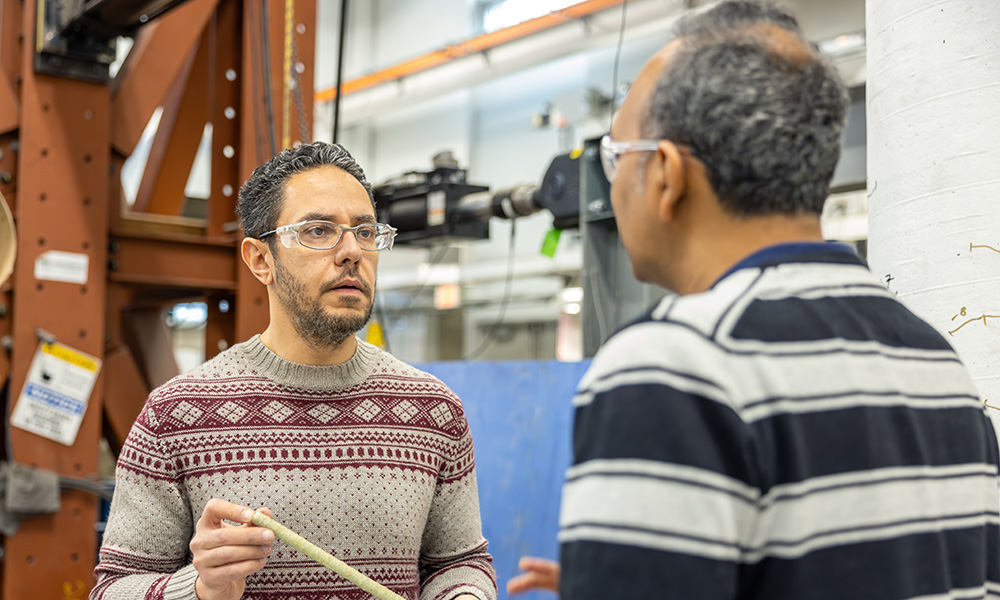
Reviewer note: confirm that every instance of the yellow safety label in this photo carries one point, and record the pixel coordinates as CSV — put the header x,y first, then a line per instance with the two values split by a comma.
x,y
71,356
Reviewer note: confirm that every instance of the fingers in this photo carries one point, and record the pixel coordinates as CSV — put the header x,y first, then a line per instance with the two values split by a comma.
x,y
212,532
542,566
217,510
223,554
542,574
522,583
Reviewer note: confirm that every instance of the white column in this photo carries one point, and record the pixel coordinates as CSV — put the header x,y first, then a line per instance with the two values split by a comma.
x,y
933,97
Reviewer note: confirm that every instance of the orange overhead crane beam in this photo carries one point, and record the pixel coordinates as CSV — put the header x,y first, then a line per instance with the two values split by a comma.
x,y
470,46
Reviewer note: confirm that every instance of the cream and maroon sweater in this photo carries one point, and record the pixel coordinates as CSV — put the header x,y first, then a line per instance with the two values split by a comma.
x,y
371,460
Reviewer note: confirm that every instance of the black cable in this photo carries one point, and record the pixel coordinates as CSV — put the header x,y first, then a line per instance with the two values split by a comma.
x,y
340,69
266,51
380,313
84,485
503,303
614,97
618,55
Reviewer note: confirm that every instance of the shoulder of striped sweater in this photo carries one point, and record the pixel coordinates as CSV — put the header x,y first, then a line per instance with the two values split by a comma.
x,y
699,312
807,275
706,311
388,366
680,342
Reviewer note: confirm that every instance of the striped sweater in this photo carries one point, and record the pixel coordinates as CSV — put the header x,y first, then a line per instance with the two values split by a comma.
x,y
371,460
792,433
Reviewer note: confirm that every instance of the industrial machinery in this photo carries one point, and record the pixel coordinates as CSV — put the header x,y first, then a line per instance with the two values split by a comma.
x,y
78,39
428,207
439,205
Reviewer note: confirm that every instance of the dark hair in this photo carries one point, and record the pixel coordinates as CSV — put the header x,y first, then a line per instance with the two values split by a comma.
x,y
736,13
261,196
765,116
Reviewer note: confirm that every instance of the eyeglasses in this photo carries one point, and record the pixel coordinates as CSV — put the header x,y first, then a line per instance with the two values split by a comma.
x,y
324,235
611,150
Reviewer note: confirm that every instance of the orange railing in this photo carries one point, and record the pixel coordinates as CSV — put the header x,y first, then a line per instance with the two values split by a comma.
x,y
470,46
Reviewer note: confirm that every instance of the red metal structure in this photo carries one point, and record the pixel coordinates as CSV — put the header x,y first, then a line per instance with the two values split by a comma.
x,y
63,141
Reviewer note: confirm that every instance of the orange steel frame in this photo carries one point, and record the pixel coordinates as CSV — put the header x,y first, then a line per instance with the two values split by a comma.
x,y
479,43
62,146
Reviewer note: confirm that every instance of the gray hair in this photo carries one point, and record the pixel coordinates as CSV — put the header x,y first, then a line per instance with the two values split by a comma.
x,y
765,120
260,198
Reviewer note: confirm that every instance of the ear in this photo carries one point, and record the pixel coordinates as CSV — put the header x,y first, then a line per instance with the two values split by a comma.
x,y
257,256
671,179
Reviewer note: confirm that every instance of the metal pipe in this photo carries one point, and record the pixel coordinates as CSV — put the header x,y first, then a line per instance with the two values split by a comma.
x,y
509,203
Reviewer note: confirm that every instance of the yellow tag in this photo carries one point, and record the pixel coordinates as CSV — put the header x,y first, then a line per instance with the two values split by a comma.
x,y
71,356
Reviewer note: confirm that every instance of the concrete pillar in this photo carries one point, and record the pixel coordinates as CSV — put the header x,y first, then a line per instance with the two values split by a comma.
x,y
933,98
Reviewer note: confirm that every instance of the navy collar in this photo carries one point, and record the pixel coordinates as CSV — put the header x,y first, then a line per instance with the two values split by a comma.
x,y
796,252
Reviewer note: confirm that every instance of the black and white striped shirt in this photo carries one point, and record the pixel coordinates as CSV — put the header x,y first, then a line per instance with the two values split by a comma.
x,y
792,433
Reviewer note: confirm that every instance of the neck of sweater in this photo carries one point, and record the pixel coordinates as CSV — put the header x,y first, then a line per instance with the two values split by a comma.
x,y
330,378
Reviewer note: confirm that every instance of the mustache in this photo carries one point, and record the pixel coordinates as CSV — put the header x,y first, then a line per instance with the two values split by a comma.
x,y
352,273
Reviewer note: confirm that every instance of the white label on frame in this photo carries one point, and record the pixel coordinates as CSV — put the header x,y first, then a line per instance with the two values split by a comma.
x,y
56,392
55,265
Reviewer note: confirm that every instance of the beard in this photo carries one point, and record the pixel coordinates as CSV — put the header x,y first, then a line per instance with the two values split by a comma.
x,y
308,314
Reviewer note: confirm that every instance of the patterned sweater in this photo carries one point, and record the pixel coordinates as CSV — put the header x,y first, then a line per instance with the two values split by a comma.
x,y
371,460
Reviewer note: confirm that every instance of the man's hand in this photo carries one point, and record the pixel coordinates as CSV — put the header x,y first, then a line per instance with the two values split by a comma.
x,y
541,574
225,554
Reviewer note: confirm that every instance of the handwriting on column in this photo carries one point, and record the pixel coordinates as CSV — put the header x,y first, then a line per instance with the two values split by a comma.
x,y
983,246
962,313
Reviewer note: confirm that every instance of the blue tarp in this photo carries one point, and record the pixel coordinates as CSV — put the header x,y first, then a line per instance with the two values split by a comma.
x,y
520,413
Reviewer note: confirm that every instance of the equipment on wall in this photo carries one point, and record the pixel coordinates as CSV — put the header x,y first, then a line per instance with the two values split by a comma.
x,y
79,39
427,207
439,205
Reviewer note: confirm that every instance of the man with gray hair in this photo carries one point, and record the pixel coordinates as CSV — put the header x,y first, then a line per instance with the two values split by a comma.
x,y
782,427
363,455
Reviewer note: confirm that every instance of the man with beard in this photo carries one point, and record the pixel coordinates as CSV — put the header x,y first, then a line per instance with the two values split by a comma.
x,y
363,455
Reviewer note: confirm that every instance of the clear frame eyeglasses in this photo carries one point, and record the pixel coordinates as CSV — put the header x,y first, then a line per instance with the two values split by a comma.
x,y
612,150
324,235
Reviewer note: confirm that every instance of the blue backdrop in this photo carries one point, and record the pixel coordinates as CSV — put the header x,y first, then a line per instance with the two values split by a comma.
x,y
520,413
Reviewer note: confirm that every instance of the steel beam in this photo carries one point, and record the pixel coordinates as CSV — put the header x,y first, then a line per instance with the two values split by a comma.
x,y
65,129
172,261
178,134
62,146
152,68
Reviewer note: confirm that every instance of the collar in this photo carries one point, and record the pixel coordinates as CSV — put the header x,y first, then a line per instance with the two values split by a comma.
x,y
829,252
326,378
